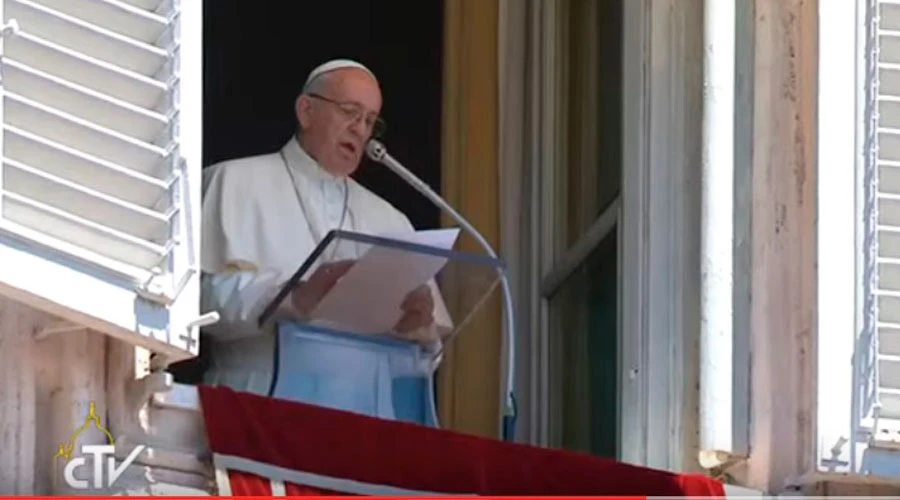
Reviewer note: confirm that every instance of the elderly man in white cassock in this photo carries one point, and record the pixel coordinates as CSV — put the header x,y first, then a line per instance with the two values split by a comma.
x,y
264,215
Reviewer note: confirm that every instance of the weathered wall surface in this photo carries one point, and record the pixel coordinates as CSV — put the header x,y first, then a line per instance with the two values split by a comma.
x,y
49,374
783,231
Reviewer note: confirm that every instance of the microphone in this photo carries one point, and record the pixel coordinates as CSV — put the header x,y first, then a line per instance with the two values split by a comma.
x,y
377,152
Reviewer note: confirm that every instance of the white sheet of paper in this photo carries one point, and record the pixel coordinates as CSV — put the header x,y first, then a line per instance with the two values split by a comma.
x,y
367,298
443,239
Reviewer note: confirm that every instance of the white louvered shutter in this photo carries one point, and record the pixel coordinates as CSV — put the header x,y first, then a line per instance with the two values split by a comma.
x,y
877,359
101,165
866,359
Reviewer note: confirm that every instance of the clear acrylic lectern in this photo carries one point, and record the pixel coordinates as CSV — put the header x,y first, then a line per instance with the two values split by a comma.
x,y
343,353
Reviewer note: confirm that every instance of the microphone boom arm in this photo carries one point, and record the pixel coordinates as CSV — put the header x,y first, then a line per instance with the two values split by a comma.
x,y
376,151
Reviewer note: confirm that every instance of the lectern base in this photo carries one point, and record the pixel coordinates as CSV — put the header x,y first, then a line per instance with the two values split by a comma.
x,y
373,375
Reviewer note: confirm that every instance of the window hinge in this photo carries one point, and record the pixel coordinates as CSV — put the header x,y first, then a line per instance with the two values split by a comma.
x,y
9,29
154,291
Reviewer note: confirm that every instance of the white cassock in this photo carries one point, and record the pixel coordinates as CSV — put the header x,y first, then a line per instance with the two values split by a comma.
x,y
262,217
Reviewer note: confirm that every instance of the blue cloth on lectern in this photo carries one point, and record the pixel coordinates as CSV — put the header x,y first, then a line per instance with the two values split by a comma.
x,y
372,375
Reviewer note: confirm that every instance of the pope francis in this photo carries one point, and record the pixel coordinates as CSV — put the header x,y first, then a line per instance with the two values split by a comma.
x,y
263,215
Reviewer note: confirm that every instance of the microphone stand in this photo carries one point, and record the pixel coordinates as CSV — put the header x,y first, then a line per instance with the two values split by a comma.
x,y
376,151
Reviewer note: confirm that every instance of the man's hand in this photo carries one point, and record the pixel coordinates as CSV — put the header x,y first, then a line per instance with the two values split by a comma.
x,y
418,310
308,294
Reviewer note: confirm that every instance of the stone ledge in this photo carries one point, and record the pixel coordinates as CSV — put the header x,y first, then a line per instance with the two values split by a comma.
x,y
840,485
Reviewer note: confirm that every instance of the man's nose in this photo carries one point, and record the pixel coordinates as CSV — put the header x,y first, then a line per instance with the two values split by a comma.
x,y
358,127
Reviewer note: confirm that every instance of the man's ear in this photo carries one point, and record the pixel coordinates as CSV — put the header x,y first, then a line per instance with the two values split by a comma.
x,y
302,109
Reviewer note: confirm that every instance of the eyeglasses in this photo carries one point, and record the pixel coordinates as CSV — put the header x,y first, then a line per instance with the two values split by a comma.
x,y
353,111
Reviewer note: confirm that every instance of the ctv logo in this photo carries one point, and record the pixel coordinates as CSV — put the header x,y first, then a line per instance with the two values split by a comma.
x,y
65,450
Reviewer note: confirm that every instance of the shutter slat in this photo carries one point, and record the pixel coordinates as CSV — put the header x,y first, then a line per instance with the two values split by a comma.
x,y
889,112
890,16
83,202
890,48
888,177
81,232
889,76
890,401
91,172
92,106
889,273
888,306
86,38
889,144
148,5
118,17
889,341
91,73
888,241
82,135
889,371
889,210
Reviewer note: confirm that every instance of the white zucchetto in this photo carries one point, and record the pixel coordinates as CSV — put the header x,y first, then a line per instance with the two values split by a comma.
x,y
335,65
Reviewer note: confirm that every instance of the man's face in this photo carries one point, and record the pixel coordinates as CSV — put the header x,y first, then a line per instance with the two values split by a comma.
x,y
339,119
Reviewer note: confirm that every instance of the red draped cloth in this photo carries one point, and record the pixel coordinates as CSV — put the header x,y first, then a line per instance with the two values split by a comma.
x,y
266,446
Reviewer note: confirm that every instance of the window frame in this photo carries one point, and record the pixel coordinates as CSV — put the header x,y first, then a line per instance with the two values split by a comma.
x,y
659,229
841,41
654,233
548,270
